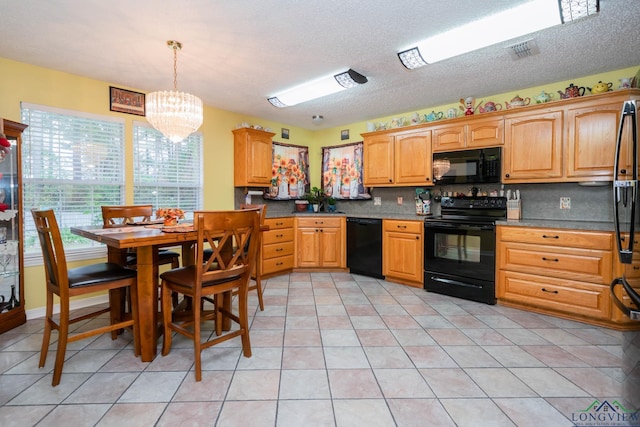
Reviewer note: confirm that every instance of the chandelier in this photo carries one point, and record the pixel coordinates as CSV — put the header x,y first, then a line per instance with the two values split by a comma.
x,y
176,114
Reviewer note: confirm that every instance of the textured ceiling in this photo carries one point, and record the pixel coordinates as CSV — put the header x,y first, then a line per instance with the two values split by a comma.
x,y
238,53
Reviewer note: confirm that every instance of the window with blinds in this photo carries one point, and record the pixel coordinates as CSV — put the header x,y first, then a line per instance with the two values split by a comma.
x,y
72,162
167,174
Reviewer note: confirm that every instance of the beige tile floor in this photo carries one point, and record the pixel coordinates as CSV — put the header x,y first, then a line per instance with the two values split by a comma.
x,y
329,350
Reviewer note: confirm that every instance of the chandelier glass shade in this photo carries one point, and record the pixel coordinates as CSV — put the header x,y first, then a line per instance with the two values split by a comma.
x,y
176,114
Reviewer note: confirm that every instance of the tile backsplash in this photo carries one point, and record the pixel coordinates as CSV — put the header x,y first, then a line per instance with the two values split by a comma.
x,y
539,201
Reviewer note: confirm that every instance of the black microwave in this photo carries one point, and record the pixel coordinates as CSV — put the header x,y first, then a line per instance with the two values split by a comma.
x,y
467,166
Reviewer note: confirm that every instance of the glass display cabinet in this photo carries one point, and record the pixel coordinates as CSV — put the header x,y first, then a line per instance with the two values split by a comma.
x,y
12,311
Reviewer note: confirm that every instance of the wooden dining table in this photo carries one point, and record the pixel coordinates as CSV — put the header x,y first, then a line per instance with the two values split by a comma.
x,y
145,239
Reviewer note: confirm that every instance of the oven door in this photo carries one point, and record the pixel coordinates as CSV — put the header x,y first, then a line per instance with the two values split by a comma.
x,y
465,250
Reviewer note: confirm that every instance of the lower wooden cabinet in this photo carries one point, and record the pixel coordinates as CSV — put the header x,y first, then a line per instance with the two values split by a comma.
x,y
320,242
277,246
565,273
402,252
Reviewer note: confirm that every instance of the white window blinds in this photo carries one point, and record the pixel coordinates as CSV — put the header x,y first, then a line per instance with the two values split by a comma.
x,y
167,174
72,162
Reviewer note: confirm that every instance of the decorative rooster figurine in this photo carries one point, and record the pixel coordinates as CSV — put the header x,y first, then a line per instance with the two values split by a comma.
x,y
468,105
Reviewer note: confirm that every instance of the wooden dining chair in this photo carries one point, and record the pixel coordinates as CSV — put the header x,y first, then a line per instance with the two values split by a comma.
x,y
67,283
231,235
256,274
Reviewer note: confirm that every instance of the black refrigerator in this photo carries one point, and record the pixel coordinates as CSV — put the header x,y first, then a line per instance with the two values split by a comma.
x,y
627,226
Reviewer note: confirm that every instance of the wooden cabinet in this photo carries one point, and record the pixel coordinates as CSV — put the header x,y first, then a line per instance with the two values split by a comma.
x,y
470,133
533,146
565,273
277,246
402,249
252,157
397,158
320,242
12,311
591,134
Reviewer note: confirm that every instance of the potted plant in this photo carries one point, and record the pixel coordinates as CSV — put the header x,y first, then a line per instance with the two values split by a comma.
x,y
315,198
331,202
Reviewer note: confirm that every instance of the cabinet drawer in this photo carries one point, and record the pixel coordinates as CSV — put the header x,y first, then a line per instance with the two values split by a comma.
x,y
274,265
277,250
415,227
555,237
568,263
319,222
278,235
572,297
277,223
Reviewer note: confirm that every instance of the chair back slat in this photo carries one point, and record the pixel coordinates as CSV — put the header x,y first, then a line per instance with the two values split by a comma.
x,y
117,216
229,236
53,255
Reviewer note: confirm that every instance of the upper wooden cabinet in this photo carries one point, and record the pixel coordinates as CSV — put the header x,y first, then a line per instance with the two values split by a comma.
x,y
253,157
591,133
533,146
472,133
400,157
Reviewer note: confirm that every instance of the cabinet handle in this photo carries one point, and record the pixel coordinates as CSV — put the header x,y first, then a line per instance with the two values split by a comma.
x,y
390,180
417,237
544,236
401,226
550,259
635,267
506,175
279,249
550,292
279,223
427,179
623,171
319,222
279,263
279,235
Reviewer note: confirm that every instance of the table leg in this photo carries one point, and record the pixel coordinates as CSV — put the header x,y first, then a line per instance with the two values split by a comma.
x,y
147,303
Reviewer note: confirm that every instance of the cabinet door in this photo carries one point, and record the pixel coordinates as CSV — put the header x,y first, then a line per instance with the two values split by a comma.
x,y
449,137
533,147
402,256
253,157
12,312
485,133
331,248
307,247
378,160
259,160
413,158
591,142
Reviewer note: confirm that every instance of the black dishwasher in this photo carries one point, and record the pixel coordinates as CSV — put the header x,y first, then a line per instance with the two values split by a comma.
x,y
364,246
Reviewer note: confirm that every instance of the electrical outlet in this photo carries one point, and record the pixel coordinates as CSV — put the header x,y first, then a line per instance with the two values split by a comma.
x,y
377,201
400,200
565,202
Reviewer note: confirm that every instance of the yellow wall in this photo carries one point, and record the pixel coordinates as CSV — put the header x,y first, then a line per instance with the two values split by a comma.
x,y
37,85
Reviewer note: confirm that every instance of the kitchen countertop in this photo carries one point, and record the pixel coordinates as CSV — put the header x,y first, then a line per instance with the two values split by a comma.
x,y
526,222
548,223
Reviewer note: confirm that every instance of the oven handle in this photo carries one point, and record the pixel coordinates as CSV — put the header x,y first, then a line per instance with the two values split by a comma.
x,y
454,282
488,227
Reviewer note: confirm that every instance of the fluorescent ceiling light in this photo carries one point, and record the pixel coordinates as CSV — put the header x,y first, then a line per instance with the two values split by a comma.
x,y
318,88
524,19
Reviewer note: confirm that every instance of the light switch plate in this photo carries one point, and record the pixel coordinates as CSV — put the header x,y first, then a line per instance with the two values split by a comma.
x,y
377,201
400,200
565,202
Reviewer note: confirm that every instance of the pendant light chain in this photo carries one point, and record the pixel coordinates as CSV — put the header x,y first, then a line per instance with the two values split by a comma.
x,y
175,66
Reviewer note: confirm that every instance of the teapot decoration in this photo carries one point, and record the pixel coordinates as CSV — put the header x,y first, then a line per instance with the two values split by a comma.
x,y
600,87
490,106
517,102
433,116
625,83
543,97
572,91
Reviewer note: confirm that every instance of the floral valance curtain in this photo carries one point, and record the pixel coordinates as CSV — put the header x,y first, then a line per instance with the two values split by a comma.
x,y
342,171
290,171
